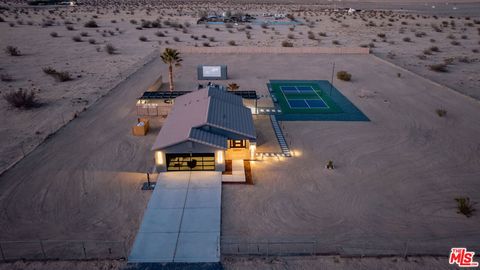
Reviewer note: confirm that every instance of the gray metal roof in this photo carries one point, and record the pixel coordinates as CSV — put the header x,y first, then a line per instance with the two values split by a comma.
x,y
232,117
208,138
203,108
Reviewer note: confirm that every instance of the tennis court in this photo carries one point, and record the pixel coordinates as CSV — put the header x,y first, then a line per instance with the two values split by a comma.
x,y
312,100
303,97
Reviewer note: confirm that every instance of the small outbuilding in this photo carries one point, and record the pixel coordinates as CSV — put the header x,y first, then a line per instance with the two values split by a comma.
x,y
200,131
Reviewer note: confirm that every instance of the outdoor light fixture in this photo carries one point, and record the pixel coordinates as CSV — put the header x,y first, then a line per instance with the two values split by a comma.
x,y
220,157
253,147
159,157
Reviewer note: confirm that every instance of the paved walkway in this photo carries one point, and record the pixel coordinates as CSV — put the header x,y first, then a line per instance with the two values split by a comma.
x,y
238,173
182,220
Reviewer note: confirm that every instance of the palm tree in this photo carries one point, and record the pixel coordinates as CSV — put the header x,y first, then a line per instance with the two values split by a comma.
x,y
171,57
233,86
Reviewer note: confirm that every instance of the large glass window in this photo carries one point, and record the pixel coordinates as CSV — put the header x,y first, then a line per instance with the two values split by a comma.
x,y
237,144
191,162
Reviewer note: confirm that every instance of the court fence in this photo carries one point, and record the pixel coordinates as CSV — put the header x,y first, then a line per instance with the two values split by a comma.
x,y
277,248
62,250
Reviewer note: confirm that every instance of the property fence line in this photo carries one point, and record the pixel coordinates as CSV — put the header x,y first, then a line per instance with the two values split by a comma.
x,y
276,50
62,250
275,247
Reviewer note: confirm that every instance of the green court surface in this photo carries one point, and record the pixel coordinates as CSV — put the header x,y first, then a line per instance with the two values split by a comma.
x,y
312,100
307,97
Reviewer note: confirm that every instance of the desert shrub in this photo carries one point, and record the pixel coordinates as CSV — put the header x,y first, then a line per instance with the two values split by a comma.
x,y
84,34
143,38
77,38
2,19
113,21
54,34
291,36
159,34
11,24
146,24
92,41
4,77
344,76
439,67
322,34
232,43
61,76
91,24
211,39
13,51
70,28
464,37
464,206
176,39
455,43
420,34
228,25
49,70
47,23
132,21
206,44
434,49
441,112
335,42
381,35
264,25
110,49
311,36
21,99
287,43
407,39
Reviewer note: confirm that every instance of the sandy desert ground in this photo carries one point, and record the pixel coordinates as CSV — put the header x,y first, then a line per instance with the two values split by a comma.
x,y
397,175
409,40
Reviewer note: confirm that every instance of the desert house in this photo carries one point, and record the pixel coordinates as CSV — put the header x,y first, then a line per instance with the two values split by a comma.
x,y
203,129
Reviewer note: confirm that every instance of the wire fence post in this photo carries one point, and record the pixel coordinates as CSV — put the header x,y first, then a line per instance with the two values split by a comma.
x,y
1,251
84,250
43,250
405,251
124,250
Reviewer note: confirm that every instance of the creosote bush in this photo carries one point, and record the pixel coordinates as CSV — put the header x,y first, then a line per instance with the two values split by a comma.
x,y
439,67
344,76
91,24
21,99
61,76
441,112
464,206
110,49
13,51
287,43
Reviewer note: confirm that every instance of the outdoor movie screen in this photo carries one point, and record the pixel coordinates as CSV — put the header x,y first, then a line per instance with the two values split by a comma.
x,y
212,71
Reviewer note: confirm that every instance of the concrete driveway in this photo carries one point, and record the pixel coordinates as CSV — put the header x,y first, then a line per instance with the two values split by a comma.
x,y
182,220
